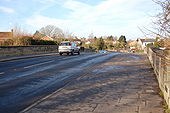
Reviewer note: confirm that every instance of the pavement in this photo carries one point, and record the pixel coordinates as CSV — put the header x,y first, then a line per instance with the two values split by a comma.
x,y
123,84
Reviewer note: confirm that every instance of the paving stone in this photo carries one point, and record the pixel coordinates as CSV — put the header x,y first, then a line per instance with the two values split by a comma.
x,y
153,110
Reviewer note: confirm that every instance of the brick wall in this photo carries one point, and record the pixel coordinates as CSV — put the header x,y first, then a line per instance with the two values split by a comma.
x,y
6,35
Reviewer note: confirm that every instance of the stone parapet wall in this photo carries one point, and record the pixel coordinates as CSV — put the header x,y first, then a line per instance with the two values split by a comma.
x,y
6,51
82,49
160,61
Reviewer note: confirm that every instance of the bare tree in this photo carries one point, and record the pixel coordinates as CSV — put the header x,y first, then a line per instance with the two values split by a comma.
x,y
91,36
19,31
163,19
52,31
161,25
68,34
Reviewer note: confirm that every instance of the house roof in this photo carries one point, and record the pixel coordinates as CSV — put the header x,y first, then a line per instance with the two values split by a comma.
x,y
132,43
47,38
147,40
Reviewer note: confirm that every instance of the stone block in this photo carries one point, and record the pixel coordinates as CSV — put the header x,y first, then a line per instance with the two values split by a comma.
x,y
167,53
166,92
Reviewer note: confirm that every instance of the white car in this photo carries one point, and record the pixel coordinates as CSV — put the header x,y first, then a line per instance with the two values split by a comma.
x,y
68,47
102,51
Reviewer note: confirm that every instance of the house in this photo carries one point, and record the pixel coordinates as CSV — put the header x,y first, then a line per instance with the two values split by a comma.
x,y
88,42
47,38
132,43
144,42
6,35
115,42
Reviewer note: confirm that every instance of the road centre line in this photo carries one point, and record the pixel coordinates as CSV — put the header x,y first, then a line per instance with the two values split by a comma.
x,y
38,64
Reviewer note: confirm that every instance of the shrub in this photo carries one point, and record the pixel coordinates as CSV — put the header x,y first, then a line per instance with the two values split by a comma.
x,y
42,42
8,42
20,41
24,41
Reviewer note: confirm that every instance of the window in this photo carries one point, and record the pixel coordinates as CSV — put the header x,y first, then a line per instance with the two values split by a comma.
x,y
66,44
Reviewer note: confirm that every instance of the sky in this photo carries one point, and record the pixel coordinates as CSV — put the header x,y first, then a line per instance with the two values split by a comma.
x,y
81,17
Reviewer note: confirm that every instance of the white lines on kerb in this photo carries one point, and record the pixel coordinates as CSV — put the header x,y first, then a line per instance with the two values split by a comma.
x,y
1,73
38,64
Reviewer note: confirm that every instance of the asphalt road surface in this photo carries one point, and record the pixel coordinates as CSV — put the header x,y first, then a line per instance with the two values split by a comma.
x,y
24,81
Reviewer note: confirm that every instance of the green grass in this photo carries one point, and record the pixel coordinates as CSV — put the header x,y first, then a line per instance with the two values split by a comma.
x,y
139,51
167,111
161,94
164,104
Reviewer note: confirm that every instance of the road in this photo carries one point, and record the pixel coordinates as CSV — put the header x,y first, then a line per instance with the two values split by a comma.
x,y
24,81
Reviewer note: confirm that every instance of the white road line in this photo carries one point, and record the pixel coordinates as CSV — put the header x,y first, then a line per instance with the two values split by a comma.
x,y
38,64
1,73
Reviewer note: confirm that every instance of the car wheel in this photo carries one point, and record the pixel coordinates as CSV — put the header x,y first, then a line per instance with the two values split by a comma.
x,y
78,52
60,54
72,53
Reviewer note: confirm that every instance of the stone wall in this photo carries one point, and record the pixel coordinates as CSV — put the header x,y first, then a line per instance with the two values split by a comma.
x,y
26,50
6,51
82,49
160,61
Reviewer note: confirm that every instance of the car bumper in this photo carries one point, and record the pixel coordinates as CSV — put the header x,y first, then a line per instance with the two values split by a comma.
x,y
65,50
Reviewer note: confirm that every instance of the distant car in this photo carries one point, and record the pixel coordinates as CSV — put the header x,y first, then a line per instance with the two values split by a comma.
x,y
102,51
132,49
68,47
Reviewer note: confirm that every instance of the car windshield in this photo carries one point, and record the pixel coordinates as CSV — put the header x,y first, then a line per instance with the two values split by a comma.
x,y
65,44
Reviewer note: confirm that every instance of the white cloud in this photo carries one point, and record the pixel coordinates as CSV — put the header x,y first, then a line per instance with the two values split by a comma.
x,y
114,17
44,1
49,1
6,9
75,5
39,21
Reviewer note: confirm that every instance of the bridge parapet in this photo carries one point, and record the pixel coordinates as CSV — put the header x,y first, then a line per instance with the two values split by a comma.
x,y
160,61
7,51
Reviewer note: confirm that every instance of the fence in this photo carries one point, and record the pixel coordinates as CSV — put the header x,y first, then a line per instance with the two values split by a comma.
x,y
160,61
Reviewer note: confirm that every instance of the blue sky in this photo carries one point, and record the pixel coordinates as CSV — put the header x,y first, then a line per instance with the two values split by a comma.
x,y
82,17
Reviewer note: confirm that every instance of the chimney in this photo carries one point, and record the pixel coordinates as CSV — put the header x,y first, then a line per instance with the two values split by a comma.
x,y
12,32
